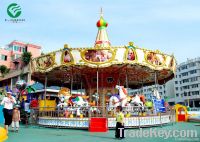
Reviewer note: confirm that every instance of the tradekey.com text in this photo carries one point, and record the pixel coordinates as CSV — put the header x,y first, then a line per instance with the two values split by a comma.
x,y
186,135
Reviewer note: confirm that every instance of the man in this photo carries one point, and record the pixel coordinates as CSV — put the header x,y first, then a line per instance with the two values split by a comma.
x,y
8,102
119,132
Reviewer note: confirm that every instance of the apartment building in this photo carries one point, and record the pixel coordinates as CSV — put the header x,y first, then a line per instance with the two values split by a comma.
x,y
187,83
10,56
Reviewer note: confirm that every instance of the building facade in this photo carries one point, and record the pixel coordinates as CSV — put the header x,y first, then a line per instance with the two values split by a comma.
x,y
166,91
14,50
187,83
10,56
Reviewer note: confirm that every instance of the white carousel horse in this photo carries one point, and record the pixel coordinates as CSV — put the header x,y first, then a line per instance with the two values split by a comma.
x,y
63,101
118,100
122,95
136,101
80,102
114,101
156,94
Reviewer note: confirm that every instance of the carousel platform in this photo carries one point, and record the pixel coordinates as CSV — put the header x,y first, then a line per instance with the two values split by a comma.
x,y
40,134
83,123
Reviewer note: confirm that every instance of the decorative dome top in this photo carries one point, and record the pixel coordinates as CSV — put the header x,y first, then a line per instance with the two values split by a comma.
x,y
102,23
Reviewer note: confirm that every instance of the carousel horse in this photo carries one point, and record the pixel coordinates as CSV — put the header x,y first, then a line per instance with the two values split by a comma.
x,y
78,101
114,101
118,99
137,101
63,95
156,94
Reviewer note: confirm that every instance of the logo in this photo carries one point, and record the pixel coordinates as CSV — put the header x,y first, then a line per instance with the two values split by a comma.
x,y
14,10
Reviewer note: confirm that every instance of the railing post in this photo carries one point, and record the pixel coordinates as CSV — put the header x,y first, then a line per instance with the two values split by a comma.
x,y
139,117
160,119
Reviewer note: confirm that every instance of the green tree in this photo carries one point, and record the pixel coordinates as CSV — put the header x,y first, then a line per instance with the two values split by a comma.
x,y
26,57
4,70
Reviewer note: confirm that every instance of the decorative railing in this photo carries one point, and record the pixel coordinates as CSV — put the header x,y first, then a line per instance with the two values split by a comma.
x,y
76,117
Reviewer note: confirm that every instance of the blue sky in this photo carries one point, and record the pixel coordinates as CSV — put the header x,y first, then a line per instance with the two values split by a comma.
x,y
172,26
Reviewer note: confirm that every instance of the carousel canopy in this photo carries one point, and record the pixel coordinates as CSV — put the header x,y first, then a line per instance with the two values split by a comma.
x,y
137,64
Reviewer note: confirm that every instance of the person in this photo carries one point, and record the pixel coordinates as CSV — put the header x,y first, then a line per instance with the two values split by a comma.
x,y
131,55
15,119
22,104
119,132
8,102
27,106
67,57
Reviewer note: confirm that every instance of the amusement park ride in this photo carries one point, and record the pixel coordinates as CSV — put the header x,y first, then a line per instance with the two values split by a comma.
x,y
102,71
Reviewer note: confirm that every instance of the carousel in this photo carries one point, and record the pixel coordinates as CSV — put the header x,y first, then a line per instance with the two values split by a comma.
x,y
106,73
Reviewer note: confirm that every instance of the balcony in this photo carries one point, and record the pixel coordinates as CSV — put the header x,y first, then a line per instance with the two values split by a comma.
x,y
14,73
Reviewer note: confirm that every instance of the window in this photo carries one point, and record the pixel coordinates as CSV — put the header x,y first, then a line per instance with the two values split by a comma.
x,y
16,56
177,95
185,80
185,93
16,48
4,57
184,67
192,64
186,87
195,93
185,74
23,49
194,79
193,71
176,82
176,88
194,86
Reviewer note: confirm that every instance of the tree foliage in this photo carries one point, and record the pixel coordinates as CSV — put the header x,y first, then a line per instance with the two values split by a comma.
x,y
4,69
26,57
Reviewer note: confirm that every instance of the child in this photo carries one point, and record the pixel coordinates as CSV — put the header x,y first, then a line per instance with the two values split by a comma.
x,y
119,132
15,119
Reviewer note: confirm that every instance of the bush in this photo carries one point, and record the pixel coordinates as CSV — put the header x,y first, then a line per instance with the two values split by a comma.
x,y
4,69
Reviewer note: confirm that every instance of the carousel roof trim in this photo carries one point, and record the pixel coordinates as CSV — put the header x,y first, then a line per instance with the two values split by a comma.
x,y
114,47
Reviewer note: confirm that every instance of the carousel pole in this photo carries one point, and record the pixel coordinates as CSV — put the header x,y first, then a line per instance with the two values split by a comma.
x,y
127,81
81,87
97,87
45,89
156,81
71,81
103,97
142,90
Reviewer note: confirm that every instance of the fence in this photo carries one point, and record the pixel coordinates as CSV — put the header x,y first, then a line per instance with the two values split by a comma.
x,y
79,117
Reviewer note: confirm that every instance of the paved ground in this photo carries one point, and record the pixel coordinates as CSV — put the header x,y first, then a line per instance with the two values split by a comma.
x,y
40,134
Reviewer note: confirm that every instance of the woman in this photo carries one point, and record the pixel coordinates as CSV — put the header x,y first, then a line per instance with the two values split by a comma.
x,y
8,103
119,132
